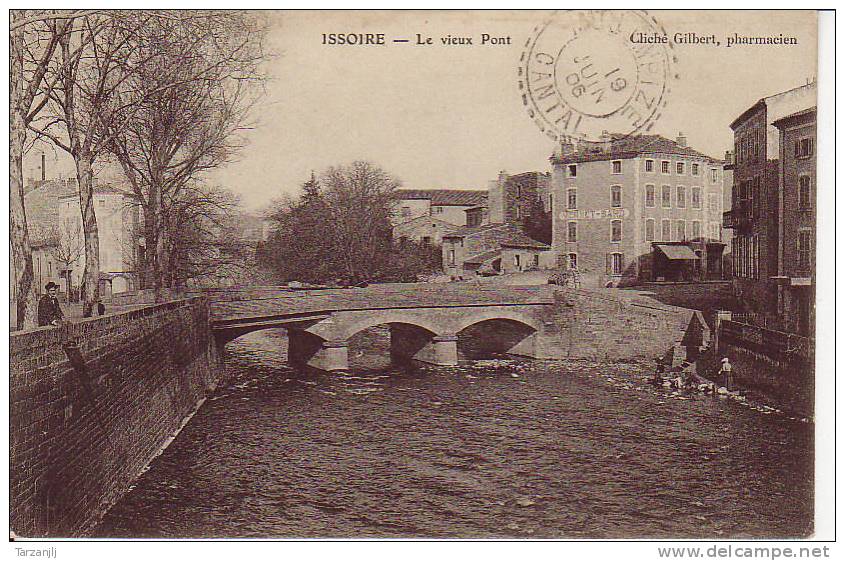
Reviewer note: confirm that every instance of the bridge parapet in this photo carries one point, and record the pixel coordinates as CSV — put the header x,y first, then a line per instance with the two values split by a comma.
x,y
234,305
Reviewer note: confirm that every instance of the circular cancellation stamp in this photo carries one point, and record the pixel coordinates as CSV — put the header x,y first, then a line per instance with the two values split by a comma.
x,y
582,74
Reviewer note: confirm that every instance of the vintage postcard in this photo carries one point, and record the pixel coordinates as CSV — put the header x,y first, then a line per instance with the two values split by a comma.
x,y
505,275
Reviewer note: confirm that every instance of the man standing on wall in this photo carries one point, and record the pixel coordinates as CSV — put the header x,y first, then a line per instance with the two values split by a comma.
x,y
49,310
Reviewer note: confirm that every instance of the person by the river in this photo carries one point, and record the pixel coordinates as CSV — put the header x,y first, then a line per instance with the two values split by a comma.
x,y
49,310
659,371
727,373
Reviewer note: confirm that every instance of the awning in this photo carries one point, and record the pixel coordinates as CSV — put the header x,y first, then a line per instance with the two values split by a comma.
x,y
677,251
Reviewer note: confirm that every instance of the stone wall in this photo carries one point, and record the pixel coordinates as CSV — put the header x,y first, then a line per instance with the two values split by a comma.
x,y
93,402
776,366
601,325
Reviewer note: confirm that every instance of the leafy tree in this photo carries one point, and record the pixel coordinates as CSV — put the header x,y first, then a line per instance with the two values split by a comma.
x,y
340,229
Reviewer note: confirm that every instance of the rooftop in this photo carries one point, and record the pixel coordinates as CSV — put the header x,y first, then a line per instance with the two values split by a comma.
x,y
763,101
444,197
798,116
507,235
625,146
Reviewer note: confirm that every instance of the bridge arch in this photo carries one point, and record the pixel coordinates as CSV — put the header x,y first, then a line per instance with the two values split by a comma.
x,y
348,324
502,313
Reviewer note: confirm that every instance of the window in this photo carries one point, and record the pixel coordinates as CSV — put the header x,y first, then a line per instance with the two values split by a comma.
x,y
696,229
551,202
649,166
649,230
713,202
572,232
616,230
664,166
519,191
452,257
616,196
573,170
682,196
615,263
681,227
617,166
695,197
715,231
694,169
437,210
572,199
714,175
804,249
426,239
516,260
666,233
666,197
573,260
649,195
518,212
804,197
406,211
101,202
804,148
679,168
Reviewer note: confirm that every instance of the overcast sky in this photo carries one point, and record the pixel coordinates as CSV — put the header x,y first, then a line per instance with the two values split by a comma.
x,y
452,117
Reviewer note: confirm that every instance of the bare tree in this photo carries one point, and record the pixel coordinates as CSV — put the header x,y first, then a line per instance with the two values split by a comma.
x,y
83,103
361,200
69,246
195,95
33,40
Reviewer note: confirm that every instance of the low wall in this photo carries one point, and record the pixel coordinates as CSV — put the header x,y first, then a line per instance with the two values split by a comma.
x,y
604,325
85,424
706,296
777,366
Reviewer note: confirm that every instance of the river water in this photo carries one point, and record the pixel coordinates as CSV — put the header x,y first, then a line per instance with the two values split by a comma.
x,y
489,449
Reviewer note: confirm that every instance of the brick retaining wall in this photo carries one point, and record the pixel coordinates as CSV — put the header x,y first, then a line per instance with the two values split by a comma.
x,y
80,436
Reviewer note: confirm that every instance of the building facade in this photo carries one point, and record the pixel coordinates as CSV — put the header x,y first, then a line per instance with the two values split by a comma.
x,y
796,275
448,205
426,229
755,215
118,231
493,248
614,201
512,198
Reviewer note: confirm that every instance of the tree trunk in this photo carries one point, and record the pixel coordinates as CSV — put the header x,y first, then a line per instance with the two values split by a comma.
x,y
91,275
24,288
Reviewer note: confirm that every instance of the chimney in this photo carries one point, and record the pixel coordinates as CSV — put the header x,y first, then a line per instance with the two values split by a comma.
x,y
43,167
566,147
681,140
606,141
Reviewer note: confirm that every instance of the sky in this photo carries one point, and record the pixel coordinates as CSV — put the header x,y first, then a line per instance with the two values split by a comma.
x,y
451,116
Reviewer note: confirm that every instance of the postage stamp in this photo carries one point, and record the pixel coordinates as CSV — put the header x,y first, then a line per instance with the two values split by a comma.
x,y
586,72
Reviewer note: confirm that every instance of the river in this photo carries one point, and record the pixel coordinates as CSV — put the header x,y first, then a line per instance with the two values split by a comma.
x,y
490,449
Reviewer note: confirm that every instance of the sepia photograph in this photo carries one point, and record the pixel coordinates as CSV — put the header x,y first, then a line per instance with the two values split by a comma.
x,y
417,274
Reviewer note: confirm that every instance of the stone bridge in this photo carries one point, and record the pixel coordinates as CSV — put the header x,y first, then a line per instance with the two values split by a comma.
x,y
424,320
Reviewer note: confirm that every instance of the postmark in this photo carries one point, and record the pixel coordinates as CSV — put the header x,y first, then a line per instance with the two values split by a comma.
x,y
581,74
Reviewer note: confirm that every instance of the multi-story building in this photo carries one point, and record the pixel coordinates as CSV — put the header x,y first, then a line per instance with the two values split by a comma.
x,y
448,205
633,208
494,237
118,237
755,215
512,198
796,273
